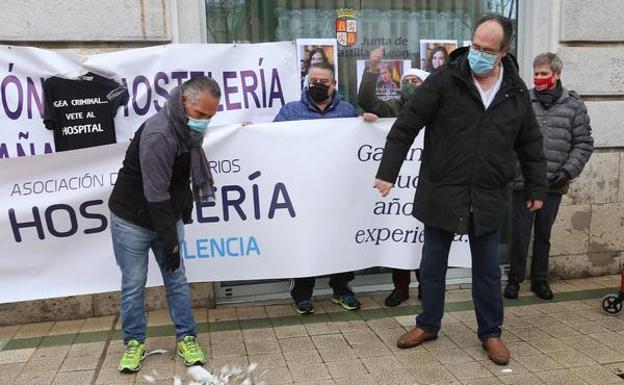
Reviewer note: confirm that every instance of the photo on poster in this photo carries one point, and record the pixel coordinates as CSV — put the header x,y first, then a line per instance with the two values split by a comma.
x,y
312,51
389,81
434,53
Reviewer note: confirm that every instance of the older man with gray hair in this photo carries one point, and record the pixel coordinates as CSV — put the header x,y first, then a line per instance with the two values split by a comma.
x,y
568,144
149,202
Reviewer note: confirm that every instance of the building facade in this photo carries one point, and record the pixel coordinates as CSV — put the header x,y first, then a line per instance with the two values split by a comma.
x,y
588,238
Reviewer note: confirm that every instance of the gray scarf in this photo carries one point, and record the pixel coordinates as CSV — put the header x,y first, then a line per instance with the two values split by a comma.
x,y
201,178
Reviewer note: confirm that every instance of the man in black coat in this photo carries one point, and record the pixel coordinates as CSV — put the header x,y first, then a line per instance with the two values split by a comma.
x,y
479,121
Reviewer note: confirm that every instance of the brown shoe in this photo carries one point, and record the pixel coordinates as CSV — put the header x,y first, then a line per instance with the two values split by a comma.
x,y
496,350
415,337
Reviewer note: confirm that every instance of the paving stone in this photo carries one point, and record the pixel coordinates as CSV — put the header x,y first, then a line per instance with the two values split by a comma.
x,y
560,330
18,355
303,356
34,378
262,347
79,363
521,379
10,371
379,366
597,375
330,341
432,374
521,348
321,328
87,349
529,333
55,352
307,371
74,378
549,345
280,375
603,355
34,330
560,377
513,368
538,363
582,342
296,343
267,361
42,365
468,370
371,350
337,354
225,349
259,334
290,331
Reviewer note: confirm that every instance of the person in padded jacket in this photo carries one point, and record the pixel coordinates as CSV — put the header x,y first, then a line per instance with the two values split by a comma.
x,y
368,100
568,144
479,119
150,198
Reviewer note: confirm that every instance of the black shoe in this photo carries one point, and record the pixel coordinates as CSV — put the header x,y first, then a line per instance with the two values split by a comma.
x,y
397,297
305,307
511,290
542,290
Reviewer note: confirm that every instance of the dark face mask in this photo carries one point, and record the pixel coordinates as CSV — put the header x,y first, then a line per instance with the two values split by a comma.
x,y
318,92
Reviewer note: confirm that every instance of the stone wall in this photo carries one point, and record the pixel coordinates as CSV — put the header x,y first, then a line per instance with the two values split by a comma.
x,y
588,237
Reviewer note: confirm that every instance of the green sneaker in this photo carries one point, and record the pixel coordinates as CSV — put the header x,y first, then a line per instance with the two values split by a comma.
x,y
190,351
132,357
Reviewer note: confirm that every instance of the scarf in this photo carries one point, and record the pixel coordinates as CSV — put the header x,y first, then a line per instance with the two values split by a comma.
x,y
201,178
549,97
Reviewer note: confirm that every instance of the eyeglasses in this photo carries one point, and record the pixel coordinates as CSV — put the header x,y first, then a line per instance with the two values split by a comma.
x,y
488,51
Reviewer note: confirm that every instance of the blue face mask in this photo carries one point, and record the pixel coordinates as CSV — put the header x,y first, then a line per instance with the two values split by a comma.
x,y
198,125
481,62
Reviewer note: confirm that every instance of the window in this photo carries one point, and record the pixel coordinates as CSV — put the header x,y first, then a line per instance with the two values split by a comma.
x,y
398,25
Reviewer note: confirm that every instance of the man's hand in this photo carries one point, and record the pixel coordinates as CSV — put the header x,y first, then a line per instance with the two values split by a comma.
x,y
172,257
383,187
559,180
375,59
534,205
369,117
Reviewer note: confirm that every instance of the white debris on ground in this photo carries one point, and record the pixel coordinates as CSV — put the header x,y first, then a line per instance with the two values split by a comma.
x,y
234,375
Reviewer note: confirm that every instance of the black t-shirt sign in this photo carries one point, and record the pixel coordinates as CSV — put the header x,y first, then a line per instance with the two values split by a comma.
x,y
80,111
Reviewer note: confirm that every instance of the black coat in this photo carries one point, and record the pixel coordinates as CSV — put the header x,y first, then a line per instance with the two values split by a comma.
x,y
470,152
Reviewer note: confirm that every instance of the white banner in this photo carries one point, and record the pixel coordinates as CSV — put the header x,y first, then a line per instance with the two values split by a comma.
x,y
294,199
255,79
22,72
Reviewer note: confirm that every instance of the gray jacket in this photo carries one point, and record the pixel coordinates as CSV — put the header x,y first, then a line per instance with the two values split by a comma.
x,y
568,143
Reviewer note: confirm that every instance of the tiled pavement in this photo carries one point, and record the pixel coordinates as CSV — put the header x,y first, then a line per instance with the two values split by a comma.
x,y
567,341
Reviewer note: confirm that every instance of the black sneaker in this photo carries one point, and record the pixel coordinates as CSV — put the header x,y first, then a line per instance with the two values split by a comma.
x,y
511,290
542,290
347,301
397,297
305,307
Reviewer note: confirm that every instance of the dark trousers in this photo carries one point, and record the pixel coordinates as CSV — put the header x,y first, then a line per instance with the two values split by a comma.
x,y
486,279
521,223
302,288
401,278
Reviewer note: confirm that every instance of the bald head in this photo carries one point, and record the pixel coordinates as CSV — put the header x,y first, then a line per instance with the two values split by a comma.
x,y
495,31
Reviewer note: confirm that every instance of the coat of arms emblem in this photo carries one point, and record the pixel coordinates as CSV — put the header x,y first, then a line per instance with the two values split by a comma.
x,y
346,26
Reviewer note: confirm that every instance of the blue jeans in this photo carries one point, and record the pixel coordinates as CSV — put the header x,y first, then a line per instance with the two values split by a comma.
x,y
131,244
486,281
